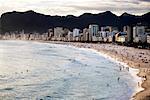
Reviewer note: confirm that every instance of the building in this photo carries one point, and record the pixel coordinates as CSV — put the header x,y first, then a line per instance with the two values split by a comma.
x,y
93,32
93,29
66,32
31,36
70,36
109,29
147,31
86,35
44,36
76,32
128,30
115,29
121,37
100,38
139,35
148,38
106,28
58,33
50,33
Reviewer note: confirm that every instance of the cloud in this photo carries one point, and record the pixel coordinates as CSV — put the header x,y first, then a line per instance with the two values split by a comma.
x,y
145,0
76,7
128,1
133,9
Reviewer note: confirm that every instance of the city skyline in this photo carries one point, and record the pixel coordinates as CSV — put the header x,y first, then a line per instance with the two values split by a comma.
x,y
69,7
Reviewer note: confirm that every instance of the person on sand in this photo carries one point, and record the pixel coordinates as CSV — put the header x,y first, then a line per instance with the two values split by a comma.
x,y
138,84
118,79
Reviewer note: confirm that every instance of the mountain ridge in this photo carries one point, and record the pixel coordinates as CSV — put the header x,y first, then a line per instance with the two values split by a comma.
x,y
31,21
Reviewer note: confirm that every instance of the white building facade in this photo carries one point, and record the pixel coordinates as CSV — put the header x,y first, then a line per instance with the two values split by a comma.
x,y
139,34
76,32
93,32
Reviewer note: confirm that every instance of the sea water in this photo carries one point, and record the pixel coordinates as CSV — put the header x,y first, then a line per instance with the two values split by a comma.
x,y
44,71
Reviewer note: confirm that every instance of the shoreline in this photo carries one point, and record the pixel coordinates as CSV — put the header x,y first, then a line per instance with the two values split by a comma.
x,y
139,71
133,72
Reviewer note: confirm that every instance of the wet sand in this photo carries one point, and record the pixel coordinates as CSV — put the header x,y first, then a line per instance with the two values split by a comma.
x,y
133,57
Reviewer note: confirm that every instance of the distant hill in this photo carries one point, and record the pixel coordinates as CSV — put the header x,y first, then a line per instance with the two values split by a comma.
x,y
31,21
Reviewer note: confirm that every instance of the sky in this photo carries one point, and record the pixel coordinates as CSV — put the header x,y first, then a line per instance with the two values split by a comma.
x,y
76,7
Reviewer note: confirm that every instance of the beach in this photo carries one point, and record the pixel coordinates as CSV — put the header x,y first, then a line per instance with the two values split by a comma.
x,y
133,57
62,72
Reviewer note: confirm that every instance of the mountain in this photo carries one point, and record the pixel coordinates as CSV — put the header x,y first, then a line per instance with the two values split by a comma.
x,y
31,21
145,19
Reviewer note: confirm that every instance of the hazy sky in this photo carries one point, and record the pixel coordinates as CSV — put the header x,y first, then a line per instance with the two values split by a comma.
x,y
76,7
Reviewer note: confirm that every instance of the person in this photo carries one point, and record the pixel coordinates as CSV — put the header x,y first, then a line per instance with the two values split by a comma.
x,y
127,68
120,68
118,79
107,85
138,84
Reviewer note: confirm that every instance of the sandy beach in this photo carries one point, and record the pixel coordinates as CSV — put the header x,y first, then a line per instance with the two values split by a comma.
x,y
133,57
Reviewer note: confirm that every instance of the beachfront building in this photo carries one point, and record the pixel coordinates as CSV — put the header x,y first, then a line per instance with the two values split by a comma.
x,y
6,35
110,37
31,36
44,36
147,31
109,29
93,32
70,36
37,36
115,29
100,38
65,35
22,35
58,33
121,37
106,29
139,35
128,30
12,35
50,33
104,35
148,38
76,33
108,33
85,34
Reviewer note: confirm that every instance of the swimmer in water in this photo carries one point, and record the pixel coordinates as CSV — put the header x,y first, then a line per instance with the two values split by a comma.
x,y
118,79
107,85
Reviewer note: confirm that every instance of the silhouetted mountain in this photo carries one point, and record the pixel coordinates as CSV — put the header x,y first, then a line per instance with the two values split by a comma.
x,y
31,21
127,19
145,19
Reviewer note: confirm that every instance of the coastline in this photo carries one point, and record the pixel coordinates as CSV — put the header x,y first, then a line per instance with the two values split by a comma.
x,y
133,72
140,71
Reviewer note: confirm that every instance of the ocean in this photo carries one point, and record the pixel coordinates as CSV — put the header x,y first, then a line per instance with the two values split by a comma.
x,y
44,71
